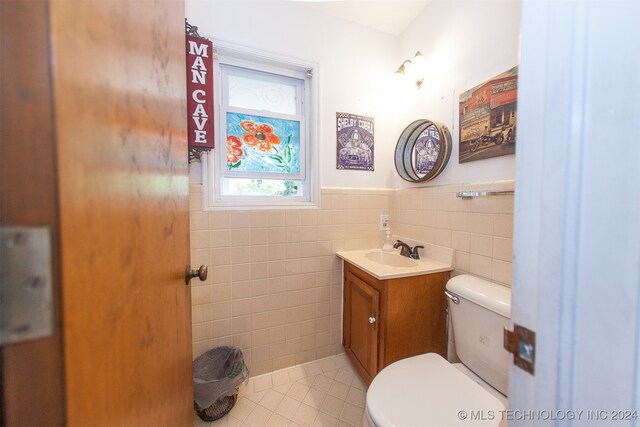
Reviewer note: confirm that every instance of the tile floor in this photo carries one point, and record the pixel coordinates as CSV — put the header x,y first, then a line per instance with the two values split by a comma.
x,y
326,392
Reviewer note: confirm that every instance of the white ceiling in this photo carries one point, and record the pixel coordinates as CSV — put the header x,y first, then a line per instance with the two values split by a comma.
x,y
389,16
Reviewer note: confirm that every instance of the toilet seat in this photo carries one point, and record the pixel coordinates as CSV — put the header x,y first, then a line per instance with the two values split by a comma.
x,y
426,390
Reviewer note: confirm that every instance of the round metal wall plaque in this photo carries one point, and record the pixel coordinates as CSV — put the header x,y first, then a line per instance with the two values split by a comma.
x,y
422,151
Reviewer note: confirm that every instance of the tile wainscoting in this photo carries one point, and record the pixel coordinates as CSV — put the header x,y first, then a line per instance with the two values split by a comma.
x,y
480,230
275,285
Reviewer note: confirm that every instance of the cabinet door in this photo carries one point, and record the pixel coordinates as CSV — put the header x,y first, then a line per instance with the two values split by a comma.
x,y
363,307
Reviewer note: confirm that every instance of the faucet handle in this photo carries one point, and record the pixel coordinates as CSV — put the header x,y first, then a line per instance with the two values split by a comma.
x,y
414,253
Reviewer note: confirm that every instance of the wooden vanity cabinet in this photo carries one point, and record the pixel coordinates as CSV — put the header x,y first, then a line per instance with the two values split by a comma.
x,y
388,320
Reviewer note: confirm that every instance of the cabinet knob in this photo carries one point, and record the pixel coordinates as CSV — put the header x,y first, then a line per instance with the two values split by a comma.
x,y
372,320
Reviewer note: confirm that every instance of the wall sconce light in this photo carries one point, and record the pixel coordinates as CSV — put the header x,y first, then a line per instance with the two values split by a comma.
x,y
413,68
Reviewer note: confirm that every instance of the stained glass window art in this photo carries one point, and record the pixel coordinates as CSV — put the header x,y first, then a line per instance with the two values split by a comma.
x,y
262,144
266,131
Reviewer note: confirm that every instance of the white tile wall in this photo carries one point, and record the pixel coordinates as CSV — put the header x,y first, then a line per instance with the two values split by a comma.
x,y
274,286
479,230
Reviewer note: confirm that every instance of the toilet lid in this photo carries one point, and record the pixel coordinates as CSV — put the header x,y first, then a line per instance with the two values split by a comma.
x,y
426,390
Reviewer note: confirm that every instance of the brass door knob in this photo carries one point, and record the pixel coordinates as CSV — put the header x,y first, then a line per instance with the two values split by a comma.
x,y
200,273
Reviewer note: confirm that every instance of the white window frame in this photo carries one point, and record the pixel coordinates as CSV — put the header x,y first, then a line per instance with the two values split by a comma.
x,y
214,162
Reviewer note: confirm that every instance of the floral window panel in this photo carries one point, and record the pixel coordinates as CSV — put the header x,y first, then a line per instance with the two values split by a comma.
x,y
258,145
266,133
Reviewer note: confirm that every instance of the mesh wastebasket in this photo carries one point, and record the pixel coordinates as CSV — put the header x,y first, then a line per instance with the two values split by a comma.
x,y
217,374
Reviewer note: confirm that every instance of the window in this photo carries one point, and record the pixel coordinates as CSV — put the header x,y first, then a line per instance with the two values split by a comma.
x,y
266,136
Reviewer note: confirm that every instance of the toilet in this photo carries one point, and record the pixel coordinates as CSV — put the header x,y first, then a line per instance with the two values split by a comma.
x,y
427,390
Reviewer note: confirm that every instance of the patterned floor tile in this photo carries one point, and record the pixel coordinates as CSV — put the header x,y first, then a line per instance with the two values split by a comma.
x,y
323,393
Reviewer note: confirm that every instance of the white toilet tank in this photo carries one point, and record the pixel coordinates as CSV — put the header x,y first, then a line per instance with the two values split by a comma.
x,y
482,312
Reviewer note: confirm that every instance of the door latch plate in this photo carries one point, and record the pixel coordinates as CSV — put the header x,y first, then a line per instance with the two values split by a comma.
x,y
521,342
26,295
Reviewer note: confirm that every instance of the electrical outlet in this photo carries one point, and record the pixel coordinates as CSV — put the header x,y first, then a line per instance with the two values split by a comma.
x,y
384,222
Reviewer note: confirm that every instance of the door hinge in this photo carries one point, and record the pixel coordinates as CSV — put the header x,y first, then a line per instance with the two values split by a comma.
x,y
522,344
26,284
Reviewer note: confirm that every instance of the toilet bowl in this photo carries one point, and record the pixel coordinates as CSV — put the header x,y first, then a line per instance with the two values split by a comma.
x,y
427,390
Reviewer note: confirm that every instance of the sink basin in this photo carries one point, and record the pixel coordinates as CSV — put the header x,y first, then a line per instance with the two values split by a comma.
x,y
391,265
390,259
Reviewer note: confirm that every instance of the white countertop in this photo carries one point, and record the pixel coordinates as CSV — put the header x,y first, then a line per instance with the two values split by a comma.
x,y
391,265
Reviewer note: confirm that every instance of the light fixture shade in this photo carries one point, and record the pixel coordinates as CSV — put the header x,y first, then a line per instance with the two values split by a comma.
x,y
404,67
413,68
418,65
419,61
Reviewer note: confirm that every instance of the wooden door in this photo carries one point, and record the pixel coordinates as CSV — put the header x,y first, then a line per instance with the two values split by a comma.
x,y
361,340
117,84
123,191
31,378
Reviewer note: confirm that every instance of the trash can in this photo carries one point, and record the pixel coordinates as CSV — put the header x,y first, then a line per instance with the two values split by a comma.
x,y
217,374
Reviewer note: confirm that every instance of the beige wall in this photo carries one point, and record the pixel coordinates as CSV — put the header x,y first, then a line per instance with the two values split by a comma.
x,y
274,286
479,230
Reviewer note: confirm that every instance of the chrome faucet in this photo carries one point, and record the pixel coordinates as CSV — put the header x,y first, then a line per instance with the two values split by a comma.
x,y
406,249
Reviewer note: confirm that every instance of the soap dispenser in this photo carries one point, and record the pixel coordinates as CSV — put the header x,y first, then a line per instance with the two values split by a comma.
x,y
388,244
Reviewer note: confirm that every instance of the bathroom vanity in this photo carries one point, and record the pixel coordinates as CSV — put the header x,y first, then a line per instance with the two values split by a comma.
x,y
394,307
